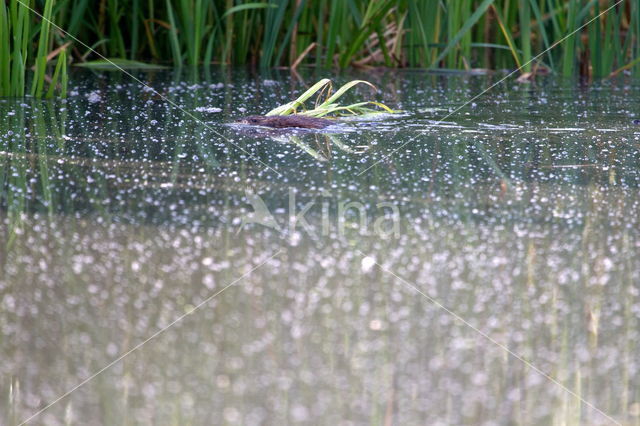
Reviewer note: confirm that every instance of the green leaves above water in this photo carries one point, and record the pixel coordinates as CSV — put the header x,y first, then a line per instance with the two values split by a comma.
x,y
330,106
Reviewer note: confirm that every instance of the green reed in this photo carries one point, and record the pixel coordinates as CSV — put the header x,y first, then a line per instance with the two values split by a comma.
x,y
15,30
24,35
466,34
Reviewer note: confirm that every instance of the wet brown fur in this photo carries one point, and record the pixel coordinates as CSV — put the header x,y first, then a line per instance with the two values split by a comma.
x,y
286,121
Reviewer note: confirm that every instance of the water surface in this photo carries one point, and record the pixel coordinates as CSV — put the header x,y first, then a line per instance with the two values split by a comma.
x,y
480,270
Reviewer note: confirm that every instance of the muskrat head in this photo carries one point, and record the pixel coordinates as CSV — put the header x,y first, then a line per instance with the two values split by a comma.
x,y
252,119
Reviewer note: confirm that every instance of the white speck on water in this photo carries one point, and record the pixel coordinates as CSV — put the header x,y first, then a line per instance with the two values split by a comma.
x,y
112,349
231,414
375,325
209,110
367,264
564,129
94,97
209,281
223,381
299,413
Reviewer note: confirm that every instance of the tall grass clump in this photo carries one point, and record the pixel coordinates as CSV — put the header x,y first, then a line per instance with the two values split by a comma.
x,y
533,35
15,29
18,25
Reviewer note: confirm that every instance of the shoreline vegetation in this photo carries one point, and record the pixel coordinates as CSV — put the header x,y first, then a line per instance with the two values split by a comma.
x,y
35,55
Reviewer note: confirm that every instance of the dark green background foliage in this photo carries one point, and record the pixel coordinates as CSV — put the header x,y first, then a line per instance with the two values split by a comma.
x,y
461,34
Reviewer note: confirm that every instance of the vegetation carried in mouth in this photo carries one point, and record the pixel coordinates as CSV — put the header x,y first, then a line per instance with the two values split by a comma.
x,y
433,34
329,106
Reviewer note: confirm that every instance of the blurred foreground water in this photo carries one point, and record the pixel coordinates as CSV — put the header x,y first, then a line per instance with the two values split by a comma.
x,y
519,215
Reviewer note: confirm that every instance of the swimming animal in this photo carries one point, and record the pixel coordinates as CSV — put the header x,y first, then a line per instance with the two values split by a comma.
x,y
286,121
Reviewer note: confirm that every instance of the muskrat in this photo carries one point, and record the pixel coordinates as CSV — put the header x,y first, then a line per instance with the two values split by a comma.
x,y
285,121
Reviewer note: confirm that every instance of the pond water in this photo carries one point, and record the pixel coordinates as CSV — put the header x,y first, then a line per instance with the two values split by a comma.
x,y
160,266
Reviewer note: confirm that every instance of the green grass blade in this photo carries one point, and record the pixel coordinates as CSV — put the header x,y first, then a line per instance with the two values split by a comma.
x,y
343,90
247,6
57,73
292,24
595,43
5,52
569,48
64,77
112,64
542,30
43,45
635,33
77,17
273,22
525,33
173,36
480,10
135,29
509,38
290,107
372,18
420,31
336,24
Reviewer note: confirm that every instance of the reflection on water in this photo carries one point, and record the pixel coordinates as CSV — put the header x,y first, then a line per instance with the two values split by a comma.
x,y
519,214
